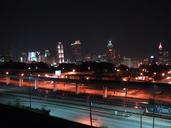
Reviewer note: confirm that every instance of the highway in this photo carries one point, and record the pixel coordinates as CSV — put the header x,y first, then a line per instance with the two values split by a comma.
x,y
78,110
162,93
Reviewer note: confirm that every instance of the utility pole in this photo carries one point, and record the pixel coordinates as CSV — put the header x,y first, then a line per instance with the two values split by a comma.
x,y
30,98
29,90
90,105
154,88
140,119
125,98
153,110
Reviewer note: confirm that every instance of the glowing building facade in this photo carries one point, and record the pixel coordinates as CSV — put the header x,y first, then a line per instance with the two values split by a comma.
x,y
110,52
60,53
33,56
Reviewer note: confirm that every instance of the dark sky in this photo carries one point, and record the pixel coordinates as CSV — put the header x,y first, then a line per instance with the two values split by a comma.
x,y
134,26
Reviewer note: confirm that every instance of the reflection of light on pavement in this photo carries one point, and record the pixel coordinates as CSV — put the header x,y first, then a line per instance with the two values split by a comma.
x,y
86,120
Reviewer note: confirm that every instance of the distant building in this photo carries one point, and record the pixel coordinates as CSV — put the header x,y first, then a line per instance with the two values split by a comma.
x,y
76,55
59,53
46,57
47,54
135,63
127,61
110,52
163,55
145,61
5,59
33,56
152,60
89,57
102,58
24,57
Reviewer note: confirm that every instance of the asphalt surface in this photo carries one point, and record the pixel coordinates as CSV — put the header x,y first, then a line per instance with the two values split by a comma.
x,y
78,110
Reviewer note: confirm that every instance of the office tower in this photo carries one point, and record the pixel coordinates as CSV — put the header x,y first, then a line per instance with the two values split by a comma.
x,y
23,57
152,60
110,52
60,53
127,61
32,57
76,51
47,53
163,55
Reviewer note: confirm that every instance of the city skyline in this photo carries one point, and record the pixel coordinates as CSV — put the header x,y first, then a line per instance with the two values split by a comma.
x,y
132,26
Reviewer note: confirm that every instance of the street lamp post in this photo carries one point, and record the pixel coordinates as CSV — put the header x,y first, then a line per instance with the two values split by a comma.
x,y
126,91
7,78
29,89
140,120
90,105
153,110
141,113
154,87
30,97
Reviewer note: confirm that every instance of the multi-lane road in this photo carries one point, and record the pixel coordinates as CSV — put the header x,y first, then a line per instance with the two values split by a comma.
x,y
78,110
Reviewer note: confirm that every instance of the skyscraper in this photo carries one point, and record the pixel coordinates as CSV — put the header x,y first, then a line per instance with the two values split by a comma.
x,y
76,51
60,53
33,56
163,55
110,52
47,53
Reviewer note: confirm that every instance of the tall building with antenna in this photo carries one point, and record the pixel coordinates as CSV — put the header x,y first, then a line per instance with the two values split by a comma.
x,y
163,55
110,54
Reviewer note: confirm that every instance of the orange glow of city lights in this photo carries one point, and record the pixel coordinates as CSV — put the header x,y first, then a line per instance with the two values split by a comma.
x,y
168,78
46,75
136,107
124,79
62,76
163,74
169,72
73,70
118,70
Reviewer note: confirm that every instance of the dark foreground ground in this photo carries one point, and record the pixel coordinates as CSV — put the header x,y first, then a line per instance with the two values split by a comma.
x,y
11,117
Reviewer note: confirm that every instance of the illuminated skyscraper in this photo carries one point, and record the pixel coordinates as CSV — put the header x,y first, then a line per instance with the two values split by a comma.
x,y
47,53
33,56
76,51
163,55
60,53
110,52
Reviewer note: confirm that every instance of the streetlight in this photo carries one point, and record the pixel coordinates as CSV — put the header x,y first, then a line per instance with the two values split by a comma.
x,y
7,78
90,105
126,91
21,79
6,73
154,87
29,69
73,70
141,114
22,74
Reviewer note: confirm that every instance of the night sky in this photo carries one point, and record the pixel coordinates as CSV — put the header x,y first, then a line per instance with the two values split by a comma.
x,y
135,26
